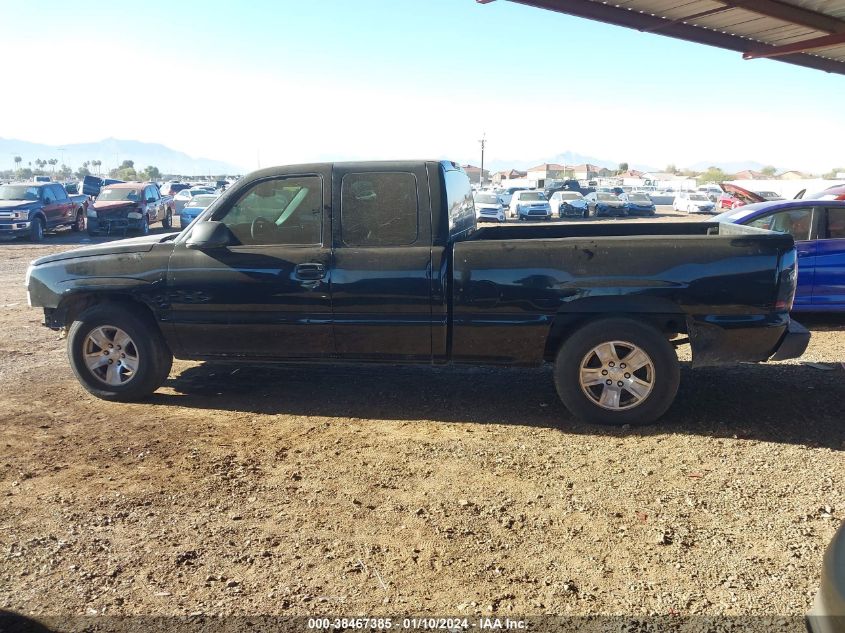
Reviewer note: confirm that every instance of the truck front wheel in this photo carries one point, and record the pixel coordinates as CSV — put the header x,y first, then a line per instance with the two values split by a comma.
x,y
117,355
36,230
617,371
79,223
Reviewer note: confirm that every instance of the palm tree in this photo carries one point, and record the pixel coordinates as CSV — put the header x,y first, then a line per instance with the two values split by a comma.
x,y
97,163
18,160
52,162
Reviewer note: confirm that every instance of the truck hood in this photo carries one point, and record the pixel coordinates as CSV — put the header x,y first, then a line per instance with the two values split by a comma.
x,y
142,244
748,197
10,205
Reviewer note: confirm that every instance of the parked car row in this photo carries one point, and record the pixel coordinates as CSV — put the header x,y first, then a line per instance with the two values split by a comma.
x,y
535,204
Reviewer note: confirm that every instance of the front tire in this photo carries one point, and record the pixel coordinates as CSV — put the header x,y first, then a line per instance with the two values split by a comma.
x,y
36,230
79,224
167,222
145,225
117,355
617,371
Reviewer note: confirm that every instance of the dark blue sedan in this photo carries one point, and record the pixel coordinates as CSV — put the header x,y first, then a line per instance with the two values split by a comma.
x,y
818,227
638,203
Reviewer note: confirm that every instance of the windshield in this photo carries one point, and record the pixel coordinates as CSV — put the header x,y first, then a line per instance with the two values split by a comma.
x,y
570,195
606,197
639,197
106,195
532,196
201,201
699,196
486,198
18,192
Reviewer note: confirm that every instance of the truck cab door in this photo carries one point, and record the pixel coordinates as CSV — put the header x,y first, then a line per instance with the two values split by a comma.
x,y
51,207
265,294
382,276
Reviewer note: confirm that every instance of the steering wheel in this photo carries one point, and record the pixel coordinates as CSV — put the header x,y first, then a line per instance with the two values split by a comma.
x,y
259,227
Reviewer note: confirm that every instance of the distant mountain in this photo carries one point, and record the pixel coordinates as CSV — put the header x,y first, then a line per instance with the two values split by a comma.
x,y
112,152
729,167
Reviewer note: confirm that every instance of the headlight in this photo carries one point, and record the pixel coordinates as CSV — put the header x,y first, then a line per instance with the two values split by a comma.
x,y
91,213
20,215
133,215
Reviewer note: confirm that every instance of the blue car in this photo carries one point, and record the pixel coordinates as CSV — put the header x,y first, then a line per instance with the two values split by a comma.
x,y
638,203
818,227
194,207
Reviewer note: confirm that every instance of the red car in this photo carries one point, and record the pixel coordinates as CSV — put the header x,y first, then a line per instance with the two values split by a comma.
x,y
836,192
735,196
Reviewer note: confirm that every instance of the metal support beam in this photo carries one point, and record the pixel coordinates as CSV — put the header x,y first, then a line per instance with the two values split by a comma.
x,y
796,47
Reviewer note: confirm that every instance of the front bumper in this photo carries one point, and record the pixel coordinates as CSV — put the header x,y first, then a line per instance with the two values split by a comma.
x,y
14,228
107,226
534,214
635,210
572,212
611,211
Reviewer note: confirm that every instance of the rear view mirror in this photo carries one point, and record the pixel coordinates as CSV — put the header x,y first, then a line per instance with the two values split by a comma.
x,y
209,235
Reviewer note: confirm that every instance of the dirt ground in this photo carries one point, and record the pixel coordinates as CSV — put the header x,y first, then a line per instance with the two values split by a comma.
x,y
345,490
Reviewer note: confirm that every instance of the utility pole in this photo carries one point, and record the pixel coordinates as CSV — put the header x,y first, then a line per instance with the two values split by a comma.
x,y
483,142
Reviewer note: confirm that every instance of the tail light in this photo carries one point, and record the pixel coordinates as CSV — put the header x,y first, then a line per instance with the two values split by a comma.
x,y
787,281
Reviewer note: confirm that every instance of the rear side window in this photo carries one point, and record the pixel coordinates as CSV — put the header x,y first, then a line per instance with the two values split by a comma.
x,y
379,209
836,223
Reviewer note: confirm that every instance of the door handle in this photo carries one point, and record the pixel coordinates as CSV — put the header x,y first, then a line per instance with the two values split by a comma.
x,y
309,271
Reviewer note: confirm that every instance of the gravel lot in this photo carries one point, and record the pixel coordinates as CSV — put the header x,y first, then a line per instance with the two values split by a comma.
x,y
343,490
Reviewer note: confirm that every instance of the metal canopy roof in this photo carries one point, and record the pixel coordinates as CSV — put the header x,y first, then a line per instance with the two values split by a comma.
x,y
807,33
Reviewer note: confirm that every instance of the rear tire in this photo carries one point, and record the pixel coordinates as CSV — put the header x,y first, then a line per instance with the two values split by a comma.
x,y
138,359
36,230
596,354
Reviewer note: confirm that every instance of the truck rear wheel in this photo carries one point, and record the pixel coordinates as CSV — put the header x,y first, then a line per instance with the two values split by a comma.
x,y
617,371
117,355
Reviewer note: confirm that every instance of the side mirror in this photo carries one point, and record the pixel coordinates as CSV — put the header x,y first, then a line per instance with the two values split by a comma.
x,y
209,235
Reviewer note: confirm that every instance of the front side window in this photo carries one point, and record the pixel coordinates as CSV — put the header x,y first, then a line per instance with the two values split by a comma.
x,y
797,222
379,209
285,211
49,196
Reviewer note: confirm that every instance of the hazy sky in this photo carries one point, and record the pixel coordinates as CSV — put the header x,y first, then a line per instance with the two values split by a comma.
x,y
295,81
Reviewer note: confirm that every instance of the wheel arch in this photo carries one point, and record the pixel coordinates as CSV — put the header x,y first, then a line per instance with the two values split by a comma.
x,y
72,305
661,314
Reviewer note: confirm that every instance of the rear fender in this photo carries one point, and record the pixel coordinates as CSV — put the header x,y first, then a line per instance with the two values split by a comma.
x,y
659,313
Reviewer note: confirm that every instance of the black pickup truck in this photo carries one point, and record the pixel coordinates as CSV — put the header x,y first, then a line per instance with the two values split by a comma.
x,y
383,261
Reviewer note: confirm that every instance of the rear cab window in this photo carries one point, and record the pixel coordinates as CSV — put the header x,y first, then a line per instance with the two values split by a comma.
x,y
379,209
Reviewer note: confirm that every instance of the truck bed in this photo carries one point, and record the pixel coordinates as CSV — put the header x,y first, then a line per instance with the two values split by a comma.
x,y
714,281
611,229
